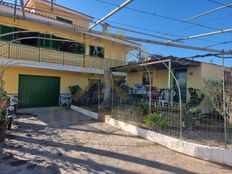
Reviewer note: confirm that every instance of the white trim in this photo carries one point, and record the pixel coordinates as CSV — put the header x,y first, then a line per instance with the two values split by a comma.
x,y
50,66
213,154
85,112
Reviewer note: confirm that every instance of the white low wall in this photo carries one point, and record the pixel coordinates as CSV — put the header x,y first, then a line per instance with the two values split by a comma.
x,y
214,154
85,112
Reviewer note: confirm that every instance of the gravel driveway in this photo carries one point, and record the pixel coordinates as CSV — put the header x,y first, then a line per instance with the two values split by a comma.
x,y
55,140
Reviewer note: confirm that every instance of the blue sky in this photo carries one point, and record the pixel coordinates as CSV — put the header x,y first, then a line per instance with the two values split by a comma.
x,y
178,9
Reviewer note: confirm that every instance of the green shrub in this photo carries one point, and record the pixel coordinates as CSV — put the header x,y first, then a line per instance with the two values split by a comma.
x,y
156,119
74,89
143,107
76,93
190,115
5,96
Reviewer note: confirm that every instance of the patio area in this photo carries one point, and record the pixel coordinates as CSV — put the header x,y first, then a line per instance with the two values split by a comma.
x,y
56,140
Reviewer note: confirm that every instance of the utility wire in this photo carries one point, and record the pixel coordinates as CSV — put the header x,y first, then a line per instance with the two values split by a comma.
x,y
154,14
160,16
139,32
157,32
208,12
216,2
207,21
216,44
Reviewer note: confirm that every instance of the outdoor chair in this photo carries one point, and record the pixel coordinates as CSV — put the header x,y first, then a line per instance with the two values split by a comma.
x,y
166,97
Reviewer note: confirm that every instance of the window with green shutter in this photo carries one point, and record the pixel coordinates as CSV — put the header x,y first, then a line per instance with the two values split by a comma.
x,y
96,51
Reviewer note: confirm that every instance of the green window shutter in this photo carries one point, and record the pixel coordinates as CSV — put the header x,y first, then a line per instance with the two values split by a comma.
x,y
96,51
79,48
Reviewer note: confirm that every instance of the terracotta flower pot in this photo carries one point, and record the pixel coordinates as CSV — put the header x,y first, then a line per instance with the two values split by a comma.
x,y
5,103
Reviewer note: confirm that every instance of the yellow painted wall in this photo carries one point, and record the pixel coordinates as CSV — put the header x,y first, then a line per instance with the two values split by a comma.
x,y
194,79
134,78
211,71
160,79
112,50
11,78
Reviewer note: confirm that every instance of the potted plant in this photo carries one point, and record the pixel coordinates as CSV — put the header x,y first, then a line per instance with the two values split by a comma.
x,y
75,93
5,101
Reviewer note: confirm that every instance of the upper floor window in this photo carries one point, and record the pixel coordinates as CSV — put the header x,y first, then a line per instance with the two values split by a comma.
x,y
96,51
64,20
5,30
72,47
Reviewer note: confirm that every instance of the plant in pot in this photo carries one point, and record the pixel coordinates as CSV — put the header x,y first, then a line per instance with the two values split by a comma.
x,y
76,93
5,102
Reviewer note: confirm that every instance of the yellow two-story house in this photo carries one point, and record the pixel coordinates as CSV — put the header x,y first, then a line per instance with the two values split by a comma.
x,y
50,48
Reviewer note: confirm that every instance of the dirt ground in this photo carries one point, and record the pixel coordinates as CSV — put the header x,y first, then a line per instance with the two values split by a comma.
x,y
55,140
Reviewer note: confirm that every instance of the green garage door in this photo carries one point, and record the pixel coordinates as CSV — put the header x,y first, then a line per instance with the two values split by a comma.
x,y
38,91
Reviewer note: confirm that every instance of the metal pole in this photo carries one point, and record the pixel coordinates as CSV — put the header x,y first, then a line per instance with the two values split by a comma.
x,y
15,8
110,14
39,56
149,75
84,51
99,94
224,101
169,80
22,7
208,12
203,35
9,50
63,58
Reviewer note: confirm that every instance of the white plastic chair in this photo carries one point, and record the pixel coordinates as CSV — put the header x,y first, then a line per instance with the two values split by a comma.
x,y
164,97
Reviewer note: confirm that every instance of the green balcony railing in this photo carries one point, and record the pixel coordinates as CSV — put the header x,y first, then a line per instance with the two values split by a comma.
x,y
30,53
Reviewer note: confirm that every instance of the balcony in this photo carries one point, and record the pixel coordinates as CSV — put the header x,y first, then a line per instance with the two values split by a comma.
x,y
36,54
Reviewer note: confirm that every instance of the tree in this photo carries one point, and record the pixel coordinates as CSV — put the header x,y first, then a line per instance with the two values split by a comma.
x,y
4,64
214,91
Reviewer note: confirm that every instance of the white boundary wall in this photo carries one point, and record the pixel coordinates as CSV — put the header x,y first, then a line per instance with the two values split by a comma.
x,y
213,154
85,112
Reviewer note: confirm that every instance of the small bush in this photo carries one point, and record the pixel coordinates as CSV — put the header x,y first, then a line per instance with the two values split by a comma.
x,y
143,107
74,89
5,96
76,93
190,115
156,119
